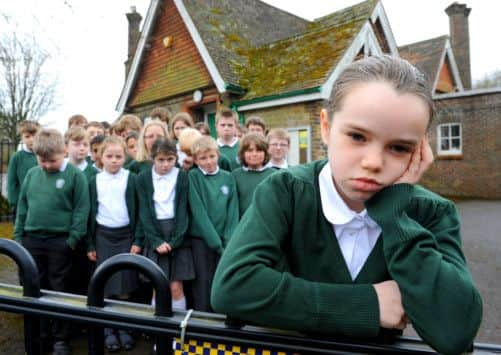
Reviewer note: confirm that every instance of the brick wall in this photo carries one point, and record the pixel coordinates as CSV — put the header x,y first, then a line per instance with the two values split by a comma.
x,y
296,115
477,173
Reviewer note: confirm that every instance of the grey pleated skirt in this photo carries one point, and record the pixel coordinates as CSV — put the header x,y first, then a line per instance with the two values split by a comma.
x,y
110,242
178,264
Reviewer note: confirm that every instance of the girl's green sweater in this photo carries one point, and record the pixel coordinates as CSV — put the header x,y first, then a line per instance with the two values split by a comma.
x,y
283,266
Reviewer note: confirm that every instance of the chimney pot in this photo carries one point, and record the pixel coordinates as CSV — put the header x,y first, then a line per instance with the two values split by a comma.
x,y
460,39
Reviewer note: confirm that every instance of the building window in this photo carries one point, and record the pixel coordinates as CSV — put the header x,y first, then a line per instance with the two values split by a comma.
x,y
300,147
449,139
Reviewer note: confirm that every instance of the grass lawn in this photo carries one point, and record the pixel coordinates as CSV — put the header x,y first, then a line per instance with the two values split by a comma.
x,y
6,230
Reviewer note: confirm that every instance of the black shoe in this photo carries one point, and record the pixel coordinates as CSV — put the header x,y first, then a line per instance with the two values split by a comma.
x,y
61,347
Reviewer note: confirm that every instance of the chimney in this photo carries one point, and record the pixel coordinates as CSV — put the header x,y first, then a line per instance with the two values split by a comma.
x,y
134,19
460,39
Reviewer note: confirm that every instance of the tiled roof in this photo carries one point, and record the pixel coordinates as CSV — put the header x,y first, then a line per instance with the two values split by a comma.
x,y
227,25
426,55
268,51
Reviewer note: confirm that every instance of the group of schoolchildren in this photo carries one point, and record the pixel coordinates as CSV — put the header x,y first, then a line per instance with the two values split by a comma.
x,y
347,246
99,191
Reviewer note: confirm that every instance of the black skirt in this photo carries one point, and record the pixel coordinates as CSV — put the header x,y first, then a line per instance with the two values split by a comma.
x,y
110,242
178,264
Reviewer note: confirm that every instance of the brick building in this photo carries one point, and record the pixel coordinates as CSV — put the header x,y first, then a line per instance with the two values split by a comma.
x,y
195,55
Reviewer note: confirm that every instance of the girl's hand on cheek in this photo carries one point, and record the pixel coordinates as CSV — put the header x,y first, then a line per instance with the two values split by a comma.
x,y
420,161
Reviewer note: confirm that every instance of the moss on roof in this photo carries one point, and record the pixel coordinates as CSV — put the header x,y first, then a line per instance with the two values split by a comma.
x,y
298,62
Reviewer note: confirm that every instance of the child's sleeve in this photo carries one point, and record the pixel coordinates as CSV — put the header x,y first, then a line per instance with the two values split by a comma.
x,y
91,225
81,209
253,281
13,185
233,212
201,221
21,210
134,217
422,246
151,235
182,218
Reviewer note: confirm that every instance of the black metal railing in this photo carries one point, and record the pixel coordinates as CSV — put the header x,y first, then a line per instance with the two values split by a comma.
x,y
97,313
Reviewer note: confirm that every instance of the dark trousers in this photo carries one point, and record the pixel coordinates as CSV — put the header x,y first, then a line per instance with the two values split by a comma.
x,y
53,258
205,260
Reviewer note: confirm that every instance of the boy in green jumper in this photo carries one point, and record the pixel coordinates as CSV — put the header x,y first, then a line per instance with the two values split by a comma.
x,y
77,146
51,218
76,140
21,162
352,245
226,127
213,216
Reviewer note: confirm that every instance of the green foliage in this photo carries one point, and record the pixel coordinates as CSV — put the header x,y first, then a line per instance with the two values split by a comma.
x,y
490,80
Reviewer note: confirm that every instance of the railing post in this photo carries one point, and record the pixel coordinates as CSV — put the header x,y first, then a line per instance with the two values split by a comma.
x,y
31,288
95,295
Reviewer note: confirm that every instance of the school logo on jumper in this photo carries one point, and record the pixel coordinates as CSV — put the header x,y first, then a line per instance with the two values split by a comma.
x,y
59,183
225,190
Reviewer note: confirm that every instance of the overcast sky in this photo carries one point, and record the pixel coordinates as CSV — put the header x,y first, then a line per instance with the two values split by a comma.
x,y
88,41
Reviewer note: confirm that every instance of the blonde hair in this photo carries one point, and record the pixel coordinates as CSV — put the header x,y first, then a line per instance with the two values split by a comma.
x,y
95,124
28,126
399,73
112,140
204,144
260,143
128,121
278,133
48,142
187,137
75,134
181,116
227,113
142,152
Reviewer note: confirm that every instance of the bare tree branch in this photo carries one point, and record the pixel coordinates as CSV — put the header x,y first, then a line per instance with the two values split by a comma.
x,y
27,91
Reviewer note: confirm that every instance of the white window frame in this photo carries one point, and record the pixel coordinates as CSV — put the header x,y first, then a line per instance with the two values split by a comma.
x,y
308,130
440,138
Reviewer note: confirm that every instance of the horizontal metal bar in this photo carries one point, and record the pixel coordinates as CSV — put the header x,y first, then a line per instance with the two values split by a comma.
x,y
202,326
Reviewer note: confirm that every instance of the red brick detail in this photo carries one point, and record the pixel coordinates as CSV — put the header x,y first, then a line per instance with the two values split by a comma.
x,y
445,79
166,72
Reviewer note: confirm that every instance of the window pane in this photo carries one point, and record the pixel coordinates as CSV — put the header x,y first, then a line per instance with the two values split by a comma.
x,y
444,131
444,144
456,143
455,131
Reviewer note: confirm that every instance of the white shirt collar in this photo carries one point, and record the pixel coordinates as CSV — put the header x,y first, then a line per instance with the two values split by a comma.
x,y
283,165
64,165
246,168
206,173
232,144
167,176
119,174
83,165
334,208
26,149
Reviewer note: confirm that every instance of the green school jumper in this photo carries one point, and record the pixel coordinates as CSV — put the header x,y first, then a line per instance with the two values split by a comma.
x,y
284,267
247,182
147,215
138,167
90,171
213,207
53,202
19,164
232,154
130,200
